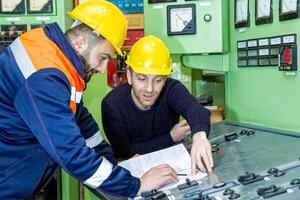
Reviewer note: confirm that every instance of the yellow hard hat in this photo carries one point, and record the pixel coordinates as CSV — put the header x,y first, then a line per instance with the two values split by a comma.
x,y
105,18
149,55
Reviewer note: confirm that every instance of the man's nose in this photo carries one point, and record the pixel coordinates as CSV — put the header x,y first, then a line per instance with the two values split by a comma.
x,y
149,87
103,66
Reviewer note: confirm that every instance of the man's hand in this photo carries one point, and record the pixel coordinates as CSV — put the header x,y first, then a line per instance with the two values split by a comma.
x,y
156,177
180,131
201,153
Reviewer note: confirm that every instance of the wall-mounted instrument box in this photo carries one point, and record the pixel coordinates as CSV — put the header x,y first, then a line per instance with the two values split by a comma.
x,y
193,27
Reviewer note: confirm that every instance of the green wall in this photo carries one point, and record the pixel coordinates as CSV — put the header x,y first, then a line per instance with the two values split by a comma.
x,y
262,95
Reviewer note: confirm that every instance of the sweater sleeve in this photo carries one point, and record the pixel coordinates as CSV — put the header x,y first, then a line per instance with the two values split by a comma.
x,y
187,106
91,133
43,103
116,130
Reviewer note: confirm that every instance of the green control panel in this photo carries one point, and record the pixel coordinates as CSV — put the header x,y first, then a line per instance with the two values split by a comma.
x,y
191,27
258,52
18,16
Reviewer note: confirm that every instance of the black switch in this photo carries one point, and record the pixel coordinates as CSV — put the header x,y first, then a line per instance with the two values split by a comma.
x,y
272,170
207,197
270,191
234,196
228,192
231,136
249,178
295,181
250,133
279,173
243,132
219,185
188,184
263,190
149,193
158,196
215,148
188,181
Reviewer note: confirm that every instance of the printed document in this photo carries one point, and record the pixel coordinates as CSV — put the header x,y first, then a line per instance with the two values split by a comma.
x,y
176,156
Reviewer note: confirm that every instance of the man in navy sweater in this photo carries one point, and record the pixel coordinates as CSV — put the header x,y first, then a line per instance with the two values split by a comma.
x,y
143,115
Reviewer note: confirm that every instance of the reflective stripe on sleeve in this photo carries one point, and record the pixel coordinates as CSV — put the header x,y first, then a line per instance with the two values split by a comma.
x,y
75,95
22,58
100,175
95,140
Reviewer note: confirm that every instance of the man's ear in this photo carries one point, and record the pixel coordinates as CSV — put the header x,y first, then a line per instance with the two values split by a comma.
x,y
128,74
80,44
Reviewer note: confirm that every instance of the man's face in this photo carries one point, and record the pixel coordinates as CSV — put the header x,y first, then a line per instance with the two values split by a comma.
x,y
97,58
146,88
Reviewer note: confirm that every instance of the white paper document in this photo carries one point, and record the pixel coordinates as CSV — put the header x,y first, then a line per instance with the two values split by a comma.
x,y
175,156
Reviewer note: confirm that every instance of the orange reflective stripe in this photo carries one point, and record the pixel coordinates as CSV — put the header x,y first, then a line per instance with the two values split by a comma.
x,y
73,106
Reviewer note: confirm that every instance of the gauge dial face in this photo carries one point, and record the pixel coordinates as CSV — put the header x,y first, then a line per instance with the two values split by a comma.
x,y
288,6
9,5
241,10
180,18
263,8
40,6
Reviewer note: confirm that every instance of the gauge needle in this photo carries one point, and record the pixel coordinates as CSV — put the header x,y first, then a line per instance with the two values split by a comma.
x,y
285,6
183,21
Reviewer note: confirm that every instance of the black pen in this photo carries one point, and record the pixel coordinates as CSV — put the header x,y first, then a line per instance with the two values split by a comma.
x,y
181,174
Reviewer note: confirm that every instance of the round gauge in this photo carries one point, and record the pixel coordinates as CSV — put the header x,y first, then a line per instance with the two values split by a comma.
x,y
181,19
263,8
288,6
241,10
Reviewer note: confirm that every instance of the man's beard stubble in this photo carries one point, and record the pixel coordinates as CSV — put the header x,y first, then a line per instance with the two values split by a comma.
x,y
86,73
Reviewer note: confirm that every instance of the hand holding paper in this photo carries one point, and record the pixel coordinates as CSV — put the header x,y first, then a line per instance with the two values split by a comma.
x,y
176,157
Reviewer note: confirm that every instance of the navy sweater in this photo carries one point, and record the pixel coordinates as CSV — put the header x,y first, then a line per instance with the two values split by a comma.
x,y
133,131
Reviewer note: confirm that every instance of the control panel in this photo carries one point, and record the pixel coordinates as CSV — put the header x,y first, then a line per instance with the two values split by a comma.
x,y
258,52
251,163
188,27
18,16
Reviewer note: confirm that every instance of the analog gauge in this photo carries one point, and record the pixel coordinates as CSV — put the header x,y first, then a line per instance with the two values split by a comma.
x,y
263,11
9,6
40,6
288,9
241,13
181,19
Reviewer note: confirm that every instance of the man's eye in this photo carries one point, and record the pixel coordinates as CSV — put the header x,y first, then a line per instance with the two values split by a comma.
x,y
141,79
158,80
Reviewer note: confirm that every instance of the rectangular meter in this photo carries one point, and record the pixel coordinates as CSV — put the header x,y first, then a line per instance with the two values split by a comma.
x,y
40,6
12,6
288,57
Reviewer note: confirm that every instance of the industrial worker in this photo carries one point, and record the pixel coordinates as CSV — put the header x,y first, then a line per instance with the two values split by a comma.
x,y
143,115
43,123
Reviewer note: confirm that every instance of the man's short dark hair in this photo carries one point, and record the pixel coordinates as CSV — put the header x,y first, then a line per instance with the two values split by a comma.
x,y
92,36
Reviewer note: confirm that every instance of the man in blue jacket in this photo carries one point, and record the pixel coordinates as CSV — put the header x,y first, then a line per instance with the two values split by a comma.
x,y
143,115
43,123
